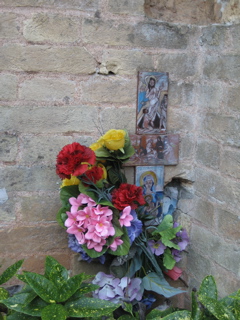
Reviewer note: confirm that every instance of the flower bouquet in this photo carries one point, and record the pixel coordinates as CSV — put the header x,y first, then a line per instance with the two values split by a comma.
x,y
105,219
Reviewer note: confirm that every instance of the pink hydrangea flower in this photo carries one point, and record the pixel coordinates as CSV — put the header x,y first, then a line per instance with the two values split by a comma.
x,y
117,242
126,217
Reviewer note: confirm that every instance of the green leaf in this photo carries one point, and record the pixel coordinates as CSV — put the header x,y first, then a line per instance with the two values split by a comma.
x,y
128,307
123,249
3,294
53,270
127,317
216,308
62,216
18,301
196,313
169,234
84,289
158,314
168,260
68,192
33,308
92,253
208,288
90,307
54,311
10,271
135,264
178,315
152,282
21,316
70,287
167,223
42,286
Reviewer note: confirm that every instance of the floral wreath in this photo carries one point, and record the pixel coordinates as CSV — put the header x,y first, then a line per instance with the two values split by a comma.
x,y
105,220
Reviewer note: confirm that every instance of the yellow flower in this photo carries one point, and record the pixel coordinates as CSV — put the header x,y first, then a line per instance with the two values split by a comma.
x,y
70,182
114,139
96,145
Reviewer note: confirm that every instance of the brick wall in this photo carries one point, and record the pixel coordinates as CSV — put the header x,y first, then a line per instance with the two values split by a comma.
x,y
68,65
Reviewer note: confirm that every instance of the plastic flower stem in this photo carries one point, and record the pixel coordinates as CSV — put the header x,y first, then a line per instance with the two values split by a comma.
x,y
141,241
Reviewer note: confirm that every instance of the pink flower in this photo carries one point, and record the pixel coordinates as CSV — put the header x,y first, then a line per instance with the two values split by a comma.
x,y
175,273
85,216
117,242
105,211
96,246
80,200
126,217
72,218
103,227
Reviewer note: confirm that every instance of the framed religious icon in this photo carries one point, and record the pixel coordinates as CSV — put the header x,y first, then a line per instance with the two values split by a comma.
x,y
154,150
151,178
152,102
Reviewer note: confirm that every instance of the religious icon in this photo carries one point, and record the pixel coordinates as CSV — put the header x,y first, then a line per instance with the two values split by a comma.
x,y
152,102
154,150
151,178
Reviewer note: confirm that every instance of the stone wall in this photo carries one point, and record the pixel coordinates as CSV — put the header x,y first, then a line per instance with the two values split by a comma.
x,y
69,66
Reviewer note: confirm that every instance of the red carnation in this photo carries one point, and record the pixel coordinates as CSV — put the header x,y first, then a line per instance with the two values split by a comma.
x,y
127,195
74,159
94,174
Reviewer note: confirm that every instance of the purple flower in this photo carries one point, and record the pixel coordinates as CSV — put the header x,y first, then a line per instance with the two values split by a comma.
x,y
117,290
156,247
176,255
182,239
136,227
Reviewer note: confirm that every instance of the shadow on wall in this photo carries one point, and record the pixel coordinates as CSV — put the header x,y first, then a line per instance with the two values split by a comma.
x,y
193,12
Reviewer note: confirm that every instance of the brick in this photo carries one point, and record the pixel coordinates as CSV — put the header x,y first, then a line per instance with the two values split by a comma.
x,y
198,265
89,268
133,7
224,67
35,178
40,119
233,99
226,281
118,118
125,62
9,26
7,209
213,36
203,211
181,94
37,208
34,239
160,35
8,147
8,88
215,248
179,65
228,224
223,128
64,4
47,89
73,60
54,28
109,89
179,120
217,188
211,97
230,164
235,33
208,153
187,145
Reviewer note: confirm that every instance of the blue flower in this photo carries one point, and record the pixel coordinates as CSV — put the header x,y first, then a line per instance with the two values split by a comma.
x,y
149,300
136,227
75,246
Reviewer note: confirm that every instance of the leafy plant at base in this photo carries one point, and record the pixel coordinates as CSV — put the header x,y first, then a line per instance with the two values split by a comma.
x,y
55,295
4,277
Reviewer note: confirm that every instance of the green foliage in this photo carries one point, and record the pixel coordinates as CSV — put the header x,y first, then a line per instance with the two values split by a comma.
x,y
10,272
55,295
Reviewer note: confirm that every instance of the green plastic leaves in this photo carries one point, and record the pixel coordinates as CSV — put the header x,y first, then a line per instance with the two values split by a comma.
x,y
152,282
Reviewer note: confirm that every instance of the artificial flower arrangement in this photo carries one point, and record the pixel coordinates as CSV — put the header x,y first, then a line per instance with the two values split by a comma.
x,y
105,219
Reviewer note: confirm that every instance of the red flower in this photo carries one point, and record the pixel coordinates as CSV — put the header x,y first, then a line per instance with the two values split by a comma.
x,y
94,174
175,273
74,159
127,195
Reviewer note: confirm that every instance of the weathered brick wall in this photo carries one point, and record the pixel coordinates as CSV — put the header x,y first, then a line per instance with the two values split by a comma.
x,y
68,65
